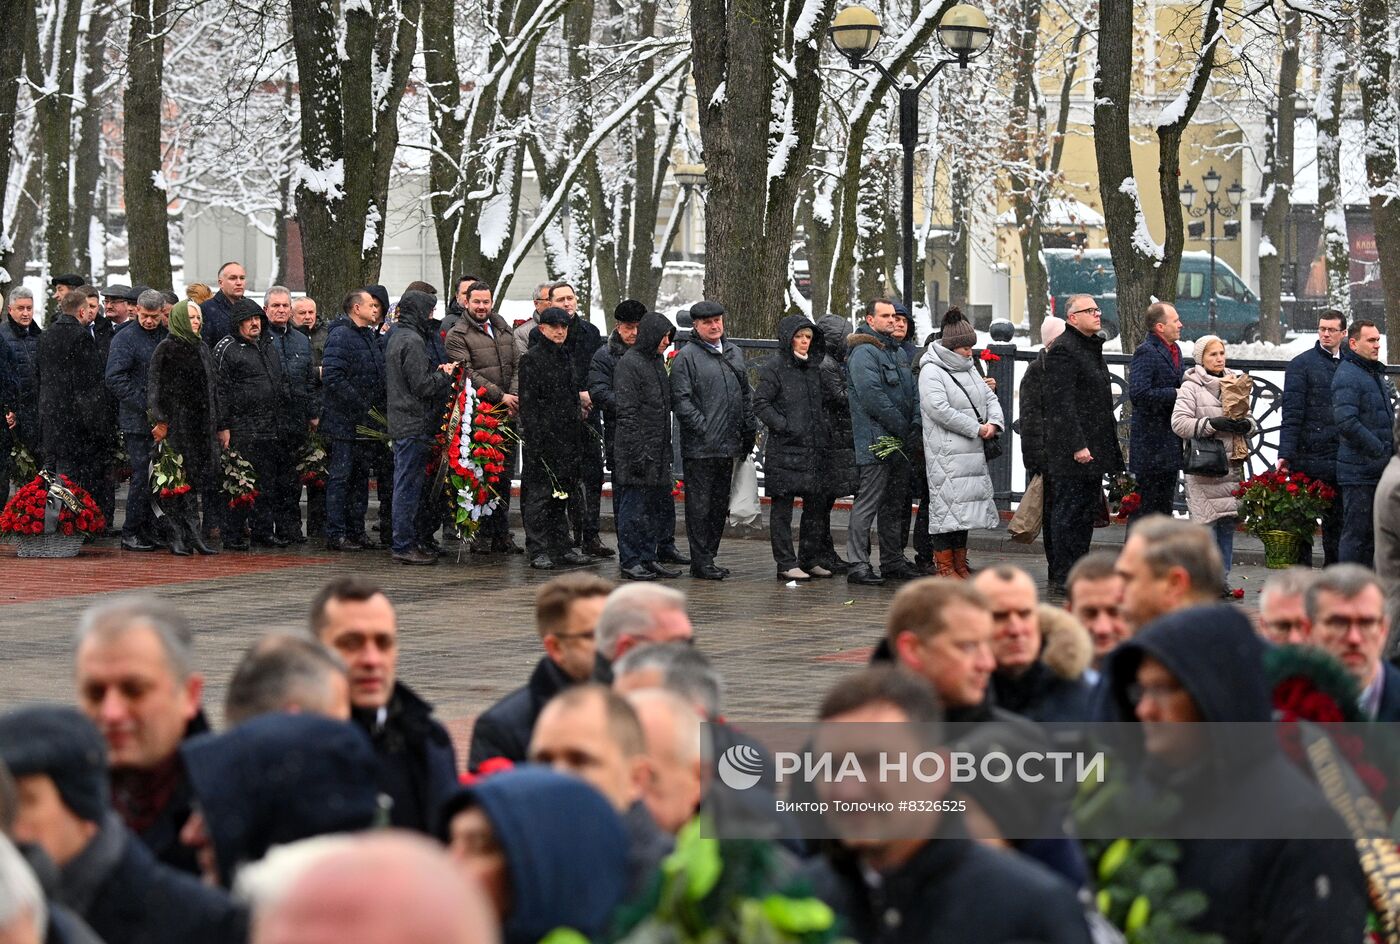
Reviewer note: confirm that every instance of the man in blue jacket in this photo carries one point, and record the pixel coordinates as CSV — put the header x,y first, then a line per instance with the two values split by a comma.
x,y
353,383
1154,455
1364,417
1308,438
128,364
884,402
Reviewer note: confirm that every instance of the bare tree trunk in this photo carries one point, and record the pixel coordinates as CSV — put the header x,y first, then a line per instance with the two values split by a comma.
x,y
18,16
1382,140
1134,260
1026,127
1336,246
55,113
89,148
1279,185
20,233
446,128
147,220
961,194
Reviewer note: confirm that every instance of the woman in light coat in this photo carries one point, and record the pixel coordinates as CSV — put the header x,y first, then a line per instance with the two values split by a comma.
x,y
959,413
1197,415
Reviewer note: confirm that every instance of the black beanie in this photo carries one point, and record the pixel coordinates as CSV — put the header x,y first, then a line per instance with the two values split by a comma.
x,y
629,311
62,744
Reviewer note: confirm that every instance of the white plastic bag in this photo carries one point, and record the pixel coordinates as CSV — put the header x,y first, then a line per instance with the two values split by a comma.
x,y
744,508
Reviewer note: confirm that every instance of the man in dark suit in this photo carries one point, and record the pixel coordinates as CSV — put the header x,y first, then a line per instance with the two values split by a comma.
x,y
72,395
1307,440
1154,451
1346,617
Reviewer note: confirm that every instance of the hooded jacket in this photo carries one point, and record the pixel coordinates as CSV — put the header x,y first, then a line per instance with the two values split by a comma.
x,y
128,367
713,401
415,388
565,850
352,378
788,400
1053,688
1208,498
883,395
839,462
1364,418
278,778
600,388
955,402
1260,891
1080,401
642,396
252,385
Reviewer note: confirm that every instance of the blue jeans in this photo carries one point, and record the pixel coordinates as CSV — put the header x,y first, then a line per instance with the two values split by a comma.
x,y
643,514
1224,529
1358,544
410,466
347,488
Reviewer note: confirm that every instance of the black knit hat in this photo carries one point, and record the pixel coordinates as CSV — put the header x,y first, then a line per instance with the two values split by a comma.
x,y
630,311
244,309
62,744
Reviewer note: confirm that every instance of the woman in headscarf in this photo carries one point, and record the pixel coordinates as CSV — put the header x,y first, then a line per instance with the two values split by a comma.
x,y
183,403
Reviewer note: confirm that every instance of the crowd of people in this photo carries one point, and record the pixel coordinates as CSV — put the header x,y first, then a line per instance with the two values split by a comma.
x,y
331,806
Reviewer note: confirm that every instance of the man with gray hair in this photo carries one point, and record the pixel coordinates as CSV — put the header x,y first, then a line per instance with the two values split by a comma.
x,y
523,327
299,414
675,666
1282,613
128,366
1346,617
638,614
285,673
136,680
20,335
673,737
1167,565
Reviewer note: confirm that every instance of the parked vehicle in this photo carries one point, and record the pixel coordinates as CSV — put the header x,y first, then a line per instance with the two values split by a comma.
x,y
1090,271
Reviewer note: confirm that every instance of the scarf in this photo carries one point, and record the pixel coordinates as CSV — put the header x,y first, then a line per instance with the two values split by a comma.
x,y
180,326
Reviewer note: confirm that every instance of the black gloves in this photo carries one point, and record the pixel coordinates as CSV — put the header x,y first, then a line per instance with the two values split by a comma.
x,y
1223,424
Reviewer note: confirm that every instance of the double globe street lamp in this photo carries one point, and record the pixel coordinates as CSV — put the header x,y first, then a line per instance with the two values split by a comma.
x,y
964,34
1234,193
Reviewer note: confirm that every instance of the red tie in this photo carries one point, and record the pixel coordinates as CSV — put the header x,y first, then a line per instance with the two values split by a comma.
x,y
1176,356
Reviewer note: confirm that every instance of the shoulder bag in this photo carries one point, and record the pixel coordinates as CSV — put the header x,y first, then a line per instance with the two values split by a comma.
x,y
991,448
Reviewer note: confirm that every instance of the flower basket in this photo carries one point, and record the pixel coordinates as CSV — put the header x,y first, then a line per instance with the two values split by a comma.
x,y
1281,549
48,545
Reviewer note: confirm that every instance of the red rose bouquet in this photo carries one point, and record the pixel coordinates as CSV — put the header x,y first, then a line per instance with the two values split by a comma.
x,y
28,512
1283,501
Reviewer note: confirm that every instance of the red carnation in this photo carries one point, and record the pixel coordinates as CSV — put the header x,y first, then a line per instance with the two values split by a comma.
x,y
987,355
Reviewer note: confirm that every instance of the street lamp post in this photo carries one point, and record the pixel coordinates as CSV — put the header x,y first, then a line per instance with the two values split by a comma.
x,y
964,33
1211,184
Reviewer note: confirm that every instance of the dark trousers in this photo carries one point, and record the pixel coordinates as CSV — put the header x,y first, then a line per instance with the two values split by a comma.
x,y
587,494
1077,500
90,472
883,500
1158,495
948,541
382,465
347,488
1331,532
260,453
139,521
285,487
1358,544
546,519
643,513
706,506
809,537
316,509
829,555
918,491
1047,510
410,467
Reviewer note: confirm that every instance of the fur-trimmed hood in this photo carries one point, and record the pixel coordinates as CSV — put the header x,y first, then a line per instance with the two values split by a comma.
x,y
865,336
1066,647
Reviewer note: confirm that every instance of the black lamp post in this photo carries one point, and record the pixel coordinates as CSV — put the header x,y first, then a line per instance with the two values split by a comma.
x,y
964,34
1211,184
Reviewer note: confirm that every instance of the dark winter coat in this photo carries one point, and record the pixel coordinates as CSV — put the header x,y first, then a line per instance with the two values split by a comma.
x,y
1279,891
128,366
415,387
352,378
182,390
416,765
253,388
1364,417
552,429
713,400
73,410
600,389
1080,401
216,316
118,888
642,395
1307,440
453,316
278,778
1153,449
294,350
953,889
490,361
9,388
1053,688
317,336
839,462
23,344
883,394
565,851
1033,406
788,400
504,729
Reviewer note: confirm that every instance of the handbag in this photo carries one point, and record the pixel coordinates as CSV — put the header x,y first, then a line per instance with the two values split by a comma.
x,y
991,448
1205,456
1030,514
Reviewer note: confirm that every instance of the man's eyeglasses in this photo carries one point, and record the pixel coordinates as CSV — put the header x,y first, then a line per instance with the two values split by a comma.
x,y
587,635
1085,311
1335,627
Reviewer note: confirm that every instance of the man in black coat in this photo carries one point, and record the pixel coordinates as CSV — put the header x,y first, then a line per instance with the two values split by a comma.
x,y
1154,451
128,366
20,333
1307,440
298,414
1081,442
931,881
1034,407
252,391
417,767
352,377
566,616
642,473
105,874
72,395
553,434
415,390
218,311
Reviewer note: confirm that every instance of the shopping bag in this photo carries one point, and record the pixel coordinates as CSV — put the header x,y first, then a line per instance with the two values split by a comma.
x,y
744,509
1026,523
